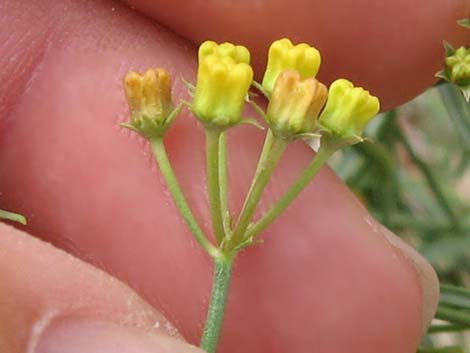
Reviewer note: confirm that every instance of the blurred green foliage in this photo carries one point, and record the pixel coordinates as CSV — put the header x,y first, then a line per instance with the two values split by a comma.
x,y
415,179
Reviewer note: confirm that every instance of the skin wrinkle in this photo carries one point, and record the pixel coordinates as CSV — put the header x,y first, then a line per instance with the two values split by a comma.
x,y
101,177
17,73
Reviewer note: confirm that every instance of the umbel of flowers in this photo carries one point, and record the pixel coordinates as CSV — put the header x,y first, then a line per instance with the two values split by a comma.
x,y
299,107
224,78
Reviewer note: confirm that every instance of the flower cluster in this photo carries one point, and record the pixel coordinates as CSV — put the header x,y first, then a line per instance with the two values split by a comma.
x,y
457,68
298,103
458,65
299,106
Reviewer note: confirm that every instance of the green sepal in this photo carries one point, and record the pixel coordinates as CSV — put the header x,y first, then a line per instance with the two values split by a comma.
x,y
368,140
466,92
308,135
465,22
250,121
337,142
15,217
450,50
292,136
247,243
258,109
152,128
210,125
443,74
189,86
261,89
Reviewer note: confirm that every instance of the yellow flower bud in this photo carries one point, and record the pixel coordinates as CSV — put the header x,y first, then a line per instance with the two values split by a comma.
x,y
238,53
295,104
348,109
222,85
458,66
149,99
283,55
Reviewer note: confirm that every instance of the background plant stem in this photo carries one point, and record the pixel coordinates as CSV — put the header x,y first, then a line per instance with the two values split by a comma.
x,y
430,179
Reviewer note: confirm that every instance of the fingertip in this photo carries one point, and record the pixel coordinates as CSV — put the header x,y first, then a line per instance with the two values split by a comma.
x,y
426,275
81,335
52,302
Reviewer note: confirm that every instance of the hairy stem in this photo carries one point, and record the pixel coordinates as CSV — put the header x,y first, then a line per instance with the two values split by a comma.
x,y
164,164
223,184
216,311
272,151
305,178
213,184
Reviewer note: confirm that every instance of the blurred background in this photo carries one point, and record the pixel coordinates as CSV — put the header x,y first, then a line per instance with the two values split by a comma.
x,y
415,178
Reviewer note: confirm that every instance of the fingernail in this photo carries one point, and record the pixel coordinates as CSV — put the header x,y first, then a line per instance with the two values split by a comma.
x,y
87,336
426,274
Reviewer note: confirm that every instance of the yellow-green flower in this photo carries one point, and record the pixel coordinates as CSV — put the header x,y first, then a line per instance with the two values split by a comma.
x,y
149,99
223,79
295,104
348,109
283,55
238,53
458,66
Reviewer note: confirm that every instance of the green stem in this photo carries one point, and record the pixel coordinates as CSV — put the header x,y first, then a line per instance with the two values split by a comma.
x,y
159,151
447,328
455,316
215,314
213,186
452,349
432,182
455,297
305,178
223,184
268,143
458,111
15,217
268,160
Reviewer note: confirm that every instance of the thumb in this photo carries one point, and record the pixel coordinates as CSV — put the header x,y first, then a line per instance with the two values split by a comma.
x,y
51,302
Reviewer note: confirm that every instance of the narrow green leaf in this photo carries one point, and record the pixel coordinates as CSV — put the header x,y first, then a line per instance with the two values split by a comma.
x,y
454,316
447,328
450,50
451,349
15,217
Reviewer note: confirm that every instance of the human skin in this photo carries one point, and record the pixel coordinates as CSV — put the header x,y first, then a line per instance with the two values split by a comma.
x,y
393,48
327,278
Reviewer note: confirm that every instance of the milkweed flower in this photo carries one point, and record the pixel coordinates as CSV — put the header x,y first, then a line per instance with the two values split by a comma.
x,y
223,79
283,55
295,104
348,109
149,99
